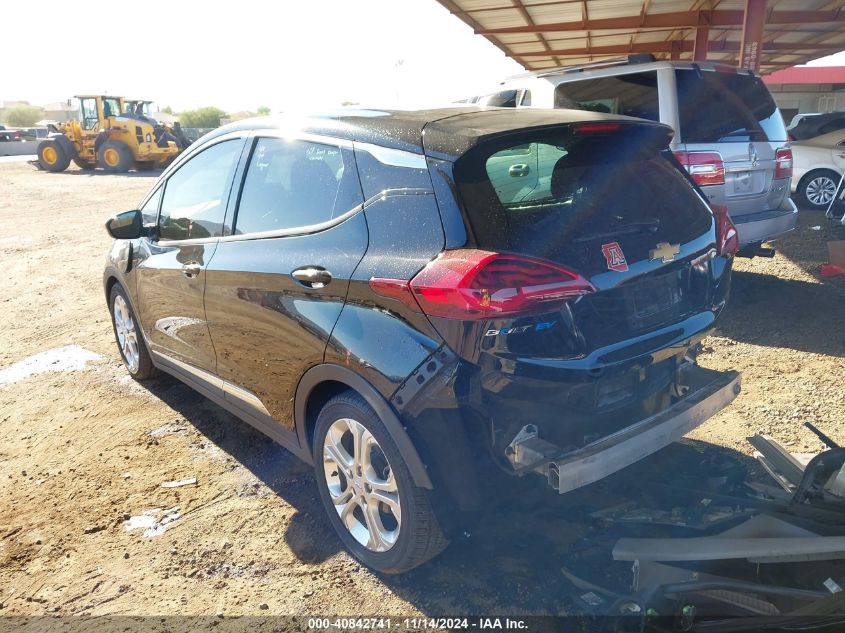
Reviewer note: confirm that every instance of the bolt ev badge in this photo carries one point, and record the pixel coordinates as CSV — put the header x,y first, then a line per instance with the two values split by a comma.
x,y
534,327
665,252
615,257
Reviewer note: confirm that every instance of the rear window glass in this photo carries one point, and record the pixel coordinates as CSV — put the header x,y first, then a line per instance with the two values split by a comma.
x,y
560,197
718,107
634,94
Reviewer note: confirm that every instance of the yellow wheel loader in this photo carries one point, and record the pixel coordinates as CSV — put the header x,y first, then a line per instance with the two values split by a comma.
x,y
108,136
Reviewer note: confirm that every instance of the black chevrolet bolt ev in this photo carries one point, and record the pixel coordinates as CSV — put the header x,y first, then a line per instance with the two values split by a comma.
x,y
408,300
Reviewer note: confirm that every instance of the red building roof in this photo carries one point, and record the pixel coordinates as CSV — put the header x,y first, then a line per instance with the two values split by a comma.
x,y
807,75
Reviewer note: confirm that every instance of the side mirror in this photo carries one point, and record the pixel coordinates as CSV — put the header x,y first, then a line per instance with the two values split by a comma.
x,y
128,225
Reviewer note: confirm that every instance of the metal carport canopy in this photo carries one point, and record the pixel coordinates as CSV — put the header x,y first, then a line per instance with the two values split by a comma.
x,y
762,35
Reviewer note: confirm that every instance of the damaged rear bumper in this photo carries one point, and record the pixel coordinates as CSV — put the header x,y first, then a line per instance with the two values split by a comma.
x,y
708,392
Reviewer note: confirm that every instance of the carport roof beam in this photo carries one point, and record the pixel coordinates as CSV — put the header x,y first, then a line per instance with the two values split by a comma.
x,y
679,19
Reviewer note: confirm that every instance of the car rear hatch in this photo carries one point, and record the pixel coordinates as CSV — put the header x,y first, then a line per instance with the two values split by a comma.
x,y
597,213
592,265
733,140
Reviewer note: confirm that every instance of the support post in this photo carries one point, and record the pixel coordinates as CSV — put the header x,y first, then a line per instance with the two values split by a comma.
x,y
751,49
699,49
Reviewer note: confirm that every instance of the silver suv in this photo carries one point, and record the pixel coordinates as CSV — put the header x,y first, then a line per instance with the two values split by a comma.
x,y
729,134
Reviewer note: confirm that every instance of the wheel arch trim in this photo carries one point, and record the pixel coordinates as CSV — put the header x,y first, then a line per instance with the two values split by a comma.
x,y
334,373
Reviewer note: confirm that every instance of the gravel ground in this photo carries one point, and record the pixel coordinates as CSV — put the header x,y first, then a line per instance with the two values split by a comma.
x,y
86,528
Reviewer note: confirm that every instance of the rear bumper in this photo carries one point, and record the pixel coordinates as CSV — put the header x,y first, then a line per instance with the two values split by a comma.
x,y
766,225
709,392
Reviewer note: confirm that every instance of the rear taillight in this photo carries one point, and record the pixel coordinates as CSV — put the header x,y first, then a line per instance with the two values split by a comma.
x,y
727,239
783,163
471,284
705,168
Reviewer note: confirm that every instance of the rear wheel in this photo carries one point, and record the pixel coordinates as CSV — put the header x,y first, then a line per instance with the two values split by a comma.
x,y
130,341
52,156
383,519
817,188
114,157
83,164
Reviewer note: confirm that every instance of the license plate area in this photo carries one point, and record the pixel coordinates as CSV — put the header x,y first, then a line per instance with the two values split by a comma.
x,y
657,299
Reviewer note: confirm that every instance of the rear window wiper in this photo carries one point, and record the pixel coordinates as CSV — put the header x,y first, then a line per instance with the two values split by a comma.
x,y
630,228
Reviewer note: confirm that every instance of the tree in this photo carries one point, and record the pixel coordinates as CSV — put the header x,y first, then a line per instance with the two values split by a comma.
x,y
23,115
167,109
208,116
263,110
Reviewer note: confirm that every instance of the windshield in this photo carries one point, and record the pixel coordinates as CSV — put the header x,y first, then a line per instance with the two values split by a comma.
x,y
721,107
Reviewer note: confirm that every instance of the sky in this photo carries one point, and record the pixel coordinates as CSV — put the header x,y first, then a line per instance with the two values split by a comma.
x,y
241,55
287,54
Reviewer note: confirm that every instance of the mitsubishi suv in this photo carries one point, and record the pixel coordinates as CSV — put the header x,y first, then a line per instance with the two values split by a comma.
x,y
729,134
413,302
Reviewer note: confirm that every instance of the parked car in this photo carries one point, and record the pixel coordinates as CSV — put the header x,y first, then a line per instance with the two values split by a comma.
x,y
815,125
412,301
819,164
34,133
729,133
10,135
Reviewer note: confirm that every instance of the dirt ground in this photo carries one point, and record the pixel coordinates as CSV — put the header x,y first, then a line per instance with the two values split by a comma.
x,y
84,450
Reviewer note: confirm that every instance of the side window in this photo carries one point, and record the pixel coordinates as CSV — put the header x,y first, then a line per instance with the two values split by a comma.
x,y
194,202
633,95
504,99
526,98
291,184
149,212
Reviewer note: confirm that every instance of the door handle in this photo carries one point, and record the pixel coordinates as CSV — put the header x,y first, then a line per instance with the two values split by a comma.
x,y
519,170
191,270
312,277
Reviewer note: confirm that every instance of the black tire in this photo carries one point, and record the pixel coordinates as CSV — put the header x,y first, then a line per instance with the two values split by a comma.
x,y
52,156
144,367
419,538
114,157
84,165
809,189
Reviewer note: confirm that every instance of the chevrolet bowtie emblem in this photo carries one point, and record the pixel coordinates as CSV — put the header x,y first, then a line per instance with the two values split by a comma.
x,y
665,252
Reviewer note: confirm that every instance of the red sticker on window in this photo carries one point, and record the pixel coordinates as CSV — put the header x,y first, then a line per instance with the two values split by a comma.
x,y
615,257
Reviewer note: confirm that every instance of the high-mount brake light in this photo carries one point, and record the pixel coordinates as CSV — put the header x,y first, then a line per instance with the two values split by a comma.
x,y
727,238
705,168
596,128
471,284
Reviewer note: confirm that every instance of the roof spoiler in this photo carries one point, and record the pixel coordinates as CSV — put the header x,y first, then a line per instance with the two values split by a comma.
x,y
637,58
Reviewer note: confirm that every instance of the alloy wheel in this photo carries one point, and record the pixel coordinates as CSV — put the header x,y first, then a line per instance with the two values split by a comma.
x,y
127,335
820,190
361,484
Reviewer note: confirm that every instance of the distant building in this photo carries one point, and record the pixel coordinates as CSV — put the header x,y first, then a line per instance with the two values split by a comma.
x,y
59,111
803,89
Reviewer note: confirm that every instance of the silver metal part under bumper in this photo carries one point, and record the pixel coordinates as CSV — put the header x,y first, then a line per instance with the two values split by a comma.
x,y
708,392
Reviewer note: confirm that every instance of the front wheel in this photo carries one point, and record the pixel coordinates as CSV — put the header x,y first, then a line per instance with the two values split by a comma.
x,y
52,156
817,188
127,333
383,519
